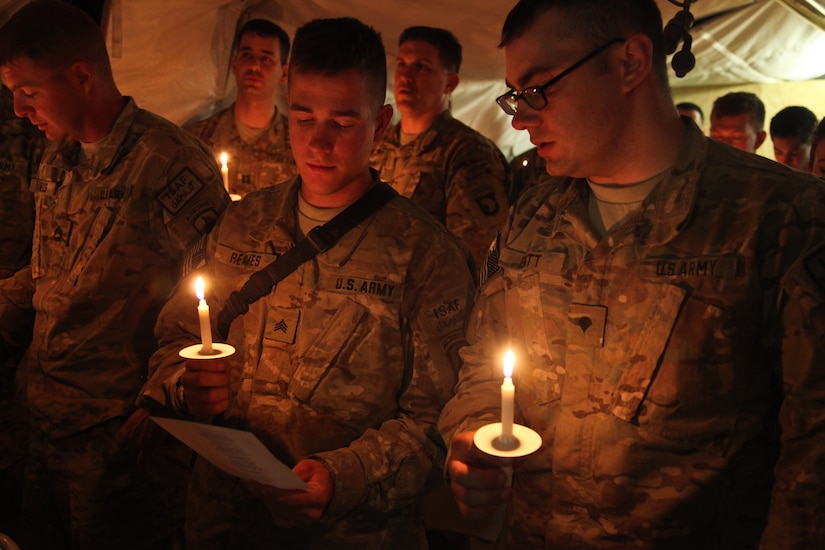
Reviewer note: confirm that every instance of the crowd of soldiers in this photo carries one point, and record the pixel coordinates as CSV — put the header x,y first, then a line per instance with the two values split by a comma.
x,y
663,294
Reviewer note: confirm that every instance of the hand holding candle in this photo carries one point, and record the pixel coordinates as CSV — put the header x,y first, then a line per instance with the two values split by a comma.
x,y
203,317
508,391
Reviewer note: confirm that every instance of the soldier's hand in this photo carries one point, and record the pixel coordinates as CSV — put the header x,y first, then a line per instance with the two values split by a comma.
x,y
298,508
141,436
477,479
205,386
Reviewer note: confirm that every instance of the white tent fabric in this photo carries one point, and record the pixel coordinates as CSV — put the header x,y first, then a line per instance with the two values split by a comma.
x,y
173,55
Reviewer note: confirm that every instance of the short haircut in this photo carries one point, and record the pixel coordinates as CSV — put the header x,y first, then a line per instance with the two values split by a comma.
x,y
790,122
53,33
267,29
597,21
332,46
816,136
688,106
740,103
448,46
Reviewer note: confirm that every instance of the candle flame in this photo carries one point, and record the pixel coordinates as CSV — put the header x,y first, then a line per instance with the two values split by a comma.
x,y
199,288
509,361
224,159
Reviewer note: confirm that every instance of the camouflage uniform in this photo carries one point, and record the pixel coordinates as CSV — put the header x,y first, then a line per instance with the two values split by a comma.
x,y
109,242
20,148
454,173
659,363
348,360
528,169
251,167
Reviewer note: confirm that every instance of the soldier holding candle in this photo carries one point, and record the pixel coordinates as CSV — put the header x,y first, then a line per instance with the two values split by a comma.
x,y
664,297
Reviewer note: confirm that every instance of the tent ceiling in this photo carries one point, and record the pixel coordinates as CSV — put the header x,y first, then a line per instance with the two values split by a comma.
x,y
173,55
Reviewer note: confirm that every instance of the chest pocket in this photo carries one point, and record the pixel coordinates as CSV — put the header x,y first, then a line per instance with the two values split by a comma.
x,y
678,383
406,183
535,294
100,226
338,375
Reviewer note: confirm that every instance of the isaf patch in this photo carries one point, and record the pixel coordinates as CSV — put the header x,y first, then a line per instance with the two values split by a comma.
x,y
445,320
179,191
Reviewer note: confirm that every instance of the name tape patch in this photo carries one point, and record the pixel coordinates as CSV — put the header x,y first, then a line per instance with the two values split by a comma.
x,y
247,259
356,285
715,267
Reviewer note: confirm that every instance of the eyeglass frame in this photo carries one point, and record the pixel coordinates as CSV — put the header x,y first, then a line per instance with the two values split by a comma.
x,y
509,100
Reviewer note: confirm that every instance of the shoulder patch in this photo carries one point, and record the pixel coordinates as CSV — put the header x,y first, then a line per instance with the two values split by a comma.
x,y
488,204
195,257
179,190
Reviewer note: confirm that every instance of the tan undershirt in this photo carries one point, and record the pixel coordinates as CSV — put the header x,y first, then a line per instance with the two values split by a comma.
x,y
609,204
310,216
249,134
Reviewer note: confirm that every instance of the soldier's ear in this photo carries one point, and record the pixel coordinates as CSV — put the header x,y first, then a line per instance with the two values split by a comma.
x,y
382,122
452,83
284,72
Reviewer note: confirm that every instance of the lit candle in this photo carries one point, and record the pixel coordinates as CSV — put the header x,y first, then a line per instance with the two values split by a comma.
x,y
203,317
508,391
225,170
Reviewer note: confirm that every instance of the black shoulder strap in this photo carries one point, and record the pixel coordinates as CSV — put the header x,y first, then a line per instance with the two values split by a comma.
x,y
320,239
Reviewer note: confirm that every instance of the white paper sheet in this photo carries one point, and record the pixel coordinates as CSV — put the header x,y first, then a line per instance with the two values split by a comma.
x,y
236,452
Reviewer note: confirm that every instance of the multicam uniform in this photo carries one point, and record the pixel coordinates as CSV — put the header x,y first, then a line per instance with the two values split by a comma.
x,y
348,360
109,243
528,169
251,166
20,148
454,173
659,363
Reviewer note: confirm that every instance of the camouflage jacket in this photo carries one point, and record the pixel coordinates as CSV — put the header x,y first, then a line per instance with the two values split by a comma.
x,y
457,175
528,169
21,146
349,360
109,243
251,166
674,369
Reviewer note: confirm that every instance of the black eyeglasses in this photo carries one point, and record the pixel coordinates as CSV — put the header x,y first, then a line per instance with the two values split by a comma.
x,y
535,97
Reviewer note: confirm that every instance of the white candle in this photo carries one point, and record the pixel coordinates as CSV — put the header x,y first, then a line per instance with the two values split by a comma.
x,y
203,317
508,391
225,170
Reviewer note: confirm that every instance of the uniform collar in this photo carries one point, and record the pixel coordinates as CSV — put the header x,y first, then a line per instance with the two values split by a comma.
x,y
425,139
339,254
275,138
665,212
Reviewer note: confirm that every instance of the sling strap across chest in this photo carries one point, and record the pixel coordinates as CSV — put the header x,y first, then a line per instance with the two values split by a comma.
x,y
319,239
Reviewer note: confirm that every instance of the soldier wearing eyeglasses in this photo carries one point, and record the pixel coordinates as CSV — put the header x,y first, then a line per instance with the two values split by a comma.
x,y
664,299
252,132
